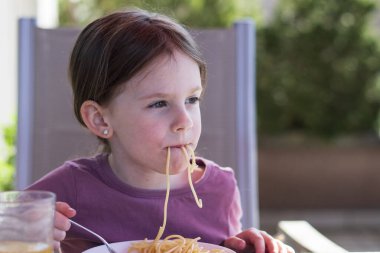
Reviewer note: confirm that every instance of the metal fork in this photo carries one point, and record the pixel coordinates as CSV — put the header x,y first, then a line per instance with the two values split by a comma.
x,y
95,234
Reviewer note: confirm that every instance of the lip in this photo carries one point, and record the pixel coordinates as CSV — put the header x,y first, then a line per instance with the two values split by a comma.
x,y
179,146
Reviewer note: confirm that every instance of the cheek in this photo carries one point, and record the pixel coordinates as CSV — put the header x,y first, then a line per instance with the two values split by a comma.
x,y
150,130
197,125
198,120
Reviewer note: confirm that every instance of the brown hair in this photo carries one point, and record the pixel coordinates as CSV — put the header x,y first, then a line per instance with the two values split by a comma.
x,y
114,48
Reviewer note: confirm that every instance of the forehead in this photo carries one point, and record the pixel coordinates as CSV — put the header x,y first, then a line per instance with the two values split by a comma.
x,y
166,68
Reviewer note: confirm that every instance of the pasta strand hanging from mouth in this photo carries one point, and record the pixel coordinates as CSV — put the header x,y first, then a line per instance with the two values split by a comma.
x,y
174,243
190,169
162,228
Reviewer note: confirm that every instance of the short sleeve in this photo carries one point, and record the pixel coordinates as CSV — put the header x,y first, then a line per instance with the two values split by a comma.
x,y
61,181
235,214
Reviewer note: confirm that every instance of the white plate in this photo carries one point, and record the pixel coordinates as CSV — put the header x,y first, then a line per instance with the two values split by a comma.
x,y
122,247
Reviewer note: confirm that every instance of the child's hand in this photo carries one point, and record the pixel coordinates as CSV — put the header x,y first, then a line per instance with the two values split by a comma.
x,y
61,222
253,240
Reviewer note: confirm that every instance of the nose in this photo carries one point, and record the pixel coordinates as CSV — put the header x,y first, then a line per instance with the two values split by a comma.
x,y
182,119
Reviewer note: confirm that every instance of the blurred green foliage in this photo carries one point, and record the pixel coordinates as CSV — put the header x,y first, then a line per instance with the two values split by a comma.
x,y
194,13
318,69
7,161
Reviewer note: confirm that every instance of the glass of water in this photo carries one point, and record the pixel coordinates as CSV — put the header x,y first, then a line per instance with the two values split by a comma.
x,y
26,221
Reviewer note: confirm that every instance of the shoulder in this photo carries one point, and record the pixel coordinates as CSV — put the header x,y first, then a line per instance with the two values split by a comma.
x,y
218,188
84,165
211,165
64,179
73,168
216,173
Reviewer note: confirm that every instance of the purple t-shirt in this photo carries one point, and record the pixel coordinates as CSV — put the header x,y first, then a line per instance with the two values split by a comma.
x,y
120,212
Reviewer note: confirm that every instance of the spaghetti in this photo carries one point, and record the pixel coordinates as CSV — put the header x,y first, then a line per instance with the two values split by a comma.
x,y
174,243
190,169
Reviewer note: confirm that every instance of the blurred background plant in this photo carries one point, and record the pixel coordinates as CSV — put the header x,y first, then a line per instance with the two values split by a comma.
x,y
194,13
7,160
318,69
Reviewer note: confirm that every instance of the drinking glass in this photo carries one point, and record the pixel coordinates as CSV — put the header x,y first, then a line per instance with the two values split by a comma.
x,y
26,221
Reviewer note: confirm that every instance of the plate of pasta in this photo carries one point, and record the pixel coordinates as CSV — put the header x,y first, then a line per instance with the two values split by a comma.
x,y
175,246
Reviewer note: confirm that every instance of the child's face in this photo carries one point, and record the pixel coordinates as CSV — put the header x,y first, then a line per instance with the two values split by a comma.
x,y
159,108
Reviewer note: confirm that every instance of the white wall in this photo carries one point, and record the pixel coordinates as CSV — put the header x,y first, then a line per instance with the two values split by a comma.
x,y
10,11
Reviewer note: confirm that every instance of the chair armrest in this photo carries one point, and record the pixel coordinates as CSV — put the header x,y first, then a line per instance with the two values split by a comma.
x,y
305,238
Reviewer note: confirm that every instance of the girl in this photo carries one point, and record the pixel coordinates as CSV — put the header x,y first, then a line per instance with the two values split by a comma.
x,y
137,79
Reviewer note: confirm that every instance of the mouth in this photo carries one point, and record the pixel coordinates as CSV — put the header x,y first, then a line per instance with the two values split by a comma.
x,y
180,146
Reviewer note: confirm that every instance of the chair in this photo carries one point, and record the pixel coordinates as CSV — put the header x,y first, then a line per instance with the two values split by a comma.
x,y
48,134
304,238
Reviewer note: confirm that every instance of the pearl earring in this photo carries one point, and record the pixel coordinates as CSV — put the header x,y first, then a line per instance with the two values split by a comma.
x,y
105,132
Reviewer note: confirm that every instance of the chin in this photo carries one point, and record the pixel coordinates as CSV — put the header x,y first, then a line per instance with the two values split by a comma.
x,y
178,170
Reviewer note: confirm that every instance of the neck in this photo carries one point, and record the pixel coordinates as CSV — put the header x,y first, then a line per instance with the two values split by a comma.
x,y
146,179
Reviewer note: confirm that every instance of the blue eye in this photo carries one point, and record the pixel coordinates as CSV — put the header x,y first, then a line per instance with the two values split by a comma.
x,y
192,100
158,104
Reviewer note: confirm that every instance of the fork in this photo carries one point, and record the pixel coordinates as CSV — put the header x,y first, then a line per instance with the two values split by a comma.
x,y
95,234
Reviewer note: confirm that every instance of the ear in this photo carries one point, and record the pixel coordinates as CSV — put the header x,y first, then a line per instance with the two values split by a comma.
x,y
93,116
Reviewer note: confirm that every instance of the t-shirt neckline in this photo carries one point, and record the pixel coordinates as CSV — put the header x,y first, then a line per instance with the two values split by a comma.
x,y
114,182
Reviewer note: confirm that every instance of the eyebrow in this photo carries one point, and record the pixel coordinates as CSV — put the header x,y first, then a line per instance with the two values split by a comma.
x,y
164,95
